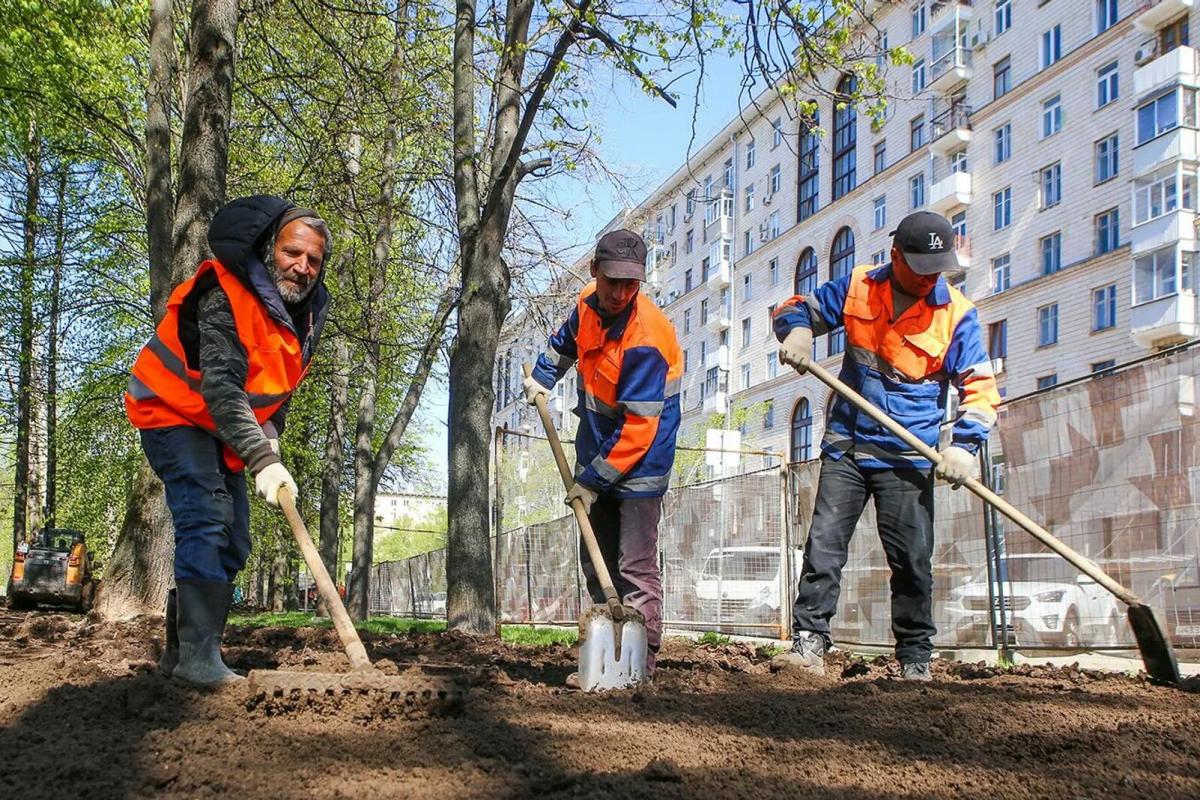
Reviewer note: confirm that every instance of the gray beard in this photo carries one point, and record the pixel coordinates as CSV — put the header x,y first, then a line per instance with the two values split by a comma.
x,y
287,291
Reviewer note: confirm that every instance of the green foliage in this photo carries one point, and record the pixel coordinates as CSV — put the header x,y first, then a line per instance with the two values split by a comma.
x,y
530,635
407,537
713,639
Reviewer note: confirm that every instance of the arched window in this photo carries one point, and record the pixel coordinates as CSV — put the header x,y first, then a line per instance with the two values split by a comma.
x,y
801,449
841,262
808,174
806,272
845,138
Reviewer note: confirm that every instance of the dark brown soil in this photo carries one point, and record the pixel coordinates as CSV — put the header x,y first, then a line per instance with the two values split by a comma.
x,y
82,713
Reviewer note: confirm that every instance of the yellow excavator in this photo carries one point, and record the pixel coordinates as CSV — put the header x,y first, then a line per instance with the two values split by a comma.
x,y
56,568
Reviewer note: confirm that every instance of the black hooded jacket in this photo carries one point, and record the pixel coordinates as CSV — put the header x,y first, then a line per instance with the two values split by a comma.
x,y
209,334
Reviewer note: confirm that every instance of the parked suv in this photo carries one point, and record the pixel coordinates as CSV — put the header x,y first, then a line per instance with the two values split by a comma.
x,y
1047,602
743,583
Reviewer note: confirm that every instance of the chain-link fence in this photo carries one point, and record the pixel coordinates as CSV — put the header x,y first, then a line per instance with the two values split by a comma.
x,y
1109,464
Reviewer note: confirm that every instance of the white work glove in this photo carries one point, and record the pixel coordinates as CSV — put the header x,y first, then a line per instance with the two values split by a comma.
x,y
268,481
533,389
956,466
796,350
274,443
583,493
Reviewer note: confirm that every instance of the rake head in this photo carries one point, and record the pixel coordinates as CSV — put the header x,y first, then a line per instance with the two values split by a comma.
x,y
410,694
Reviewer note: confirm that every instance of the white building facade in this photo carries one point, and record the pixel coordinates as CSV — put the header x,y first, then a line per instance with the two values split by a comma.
x,y
1060,139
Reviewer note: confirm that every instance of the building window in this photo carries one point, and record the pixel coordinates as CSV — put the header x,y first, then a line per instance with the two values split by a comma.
x,y
773,225
1051,181
1107,164
690,203
1051,247
749,192
1001,77
801,449
768,414
1002,209
805,282
749,154
773,270
1048,325
745,376
918,18
1106,15
1108,231
1047,381
689,241
747,242
916,191
918,76
1002,143
703,355
686,360
916,133
880,212
729,174
1001,276
1165,113
1003,16
1099,367
1107,89
1051,49
879,258
687,281
776,133
1173,34
1153,197
998,339
773,364
1104,308
1154,274
845,139
841,263
746,332
746,286
776,180
810,144
880,156
1052,116
959,223
703,316
958,161
687,320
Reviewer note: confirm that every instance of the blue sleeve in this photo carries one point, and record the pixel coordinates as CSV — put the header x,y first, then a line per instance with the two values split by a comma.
x,y
560,353
821,311
969,367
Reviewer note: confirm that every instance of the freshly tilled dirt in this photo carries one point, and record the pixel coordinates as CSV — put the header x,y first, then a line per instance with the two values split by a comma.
x,y
83,712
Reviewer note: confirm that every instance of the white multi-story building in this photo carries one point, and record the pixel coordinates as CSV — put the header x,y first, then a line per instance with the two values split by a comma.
x,y
1059,137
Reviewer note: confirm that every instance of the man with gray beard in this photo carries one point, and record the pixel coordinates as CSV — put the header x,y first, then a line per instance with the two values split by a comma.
x,y
209,394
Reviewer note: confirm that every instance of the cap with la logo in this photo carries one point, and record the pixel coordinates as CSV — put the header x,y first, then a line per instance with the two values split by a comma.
x,y
927,241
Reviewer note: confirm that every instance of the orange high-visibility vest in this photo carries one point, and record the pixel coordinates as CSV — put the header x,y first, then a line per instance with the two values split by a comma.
x,y
164,390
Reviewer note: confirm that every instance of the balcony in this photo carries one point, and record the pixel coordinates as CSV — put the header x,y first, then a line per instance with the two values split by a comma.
x,y
1168,229
950,192
947,12
1165,321
1180,144
949,127
1152,13
950,68
718,319
1179,66
716,403
720,276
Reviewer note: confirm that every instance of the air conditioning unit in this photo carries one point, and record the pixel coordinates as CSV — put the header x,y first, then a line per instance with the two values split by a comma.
x,y
997,366
764,233
767,198
980,38
1146,51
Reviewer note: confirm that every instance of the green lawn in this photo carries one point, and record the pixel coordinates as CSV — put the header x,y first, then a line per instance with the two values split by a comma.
x,y
381,626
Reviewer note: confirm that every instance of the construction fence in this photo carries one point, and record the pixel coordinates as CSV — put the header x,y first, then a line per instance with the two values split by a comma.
x,y
1109,464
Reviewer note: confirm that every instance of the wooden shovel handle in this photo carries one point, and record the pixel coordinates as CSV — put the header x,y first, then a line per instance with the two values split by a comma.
x,y
984,493
333,602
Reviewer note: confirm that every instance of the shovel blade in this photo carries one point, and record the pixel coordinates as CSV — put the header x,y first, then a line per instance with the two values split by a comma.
x,y
612,654
1157,653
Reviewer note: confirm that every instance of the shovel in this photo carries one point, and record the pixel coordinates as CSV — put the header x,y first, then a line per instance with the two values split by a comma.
x,y
612,648
1157,654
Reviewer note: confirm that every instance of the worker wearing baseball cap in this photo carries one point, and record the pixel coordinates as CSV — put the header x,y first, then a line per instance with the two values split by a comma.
x,y
629,365
909,336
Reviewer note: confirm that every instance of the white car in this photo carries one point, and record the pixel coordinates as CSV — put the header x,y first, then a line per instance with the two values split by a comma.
x,y
1047,602
742,584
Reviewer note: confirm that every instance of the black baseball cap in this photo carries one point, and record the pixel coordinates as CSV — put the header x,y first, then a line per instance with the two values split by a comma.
x,y
621,254
927,241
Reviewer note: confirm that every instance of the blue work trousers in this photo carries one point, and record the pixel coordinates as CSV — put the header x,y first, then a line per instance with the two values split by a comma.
x,y
207,500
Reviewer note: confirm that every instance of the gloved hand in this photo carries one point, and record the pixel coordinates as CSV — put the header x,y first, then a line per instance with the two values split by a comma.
x,y
956,466
583,493
796,350
268,481
533,389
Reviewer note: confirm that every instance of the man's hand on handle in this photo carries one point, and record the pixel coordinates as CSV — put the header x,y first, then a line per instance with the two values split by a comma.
x,y
583,493
796,350
268,481
957,465
532,389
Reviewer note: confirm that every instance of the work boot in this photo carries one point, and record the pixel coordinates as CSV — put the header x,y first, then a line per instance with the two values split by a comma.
x,y
916,671
170,656
807,653
203,607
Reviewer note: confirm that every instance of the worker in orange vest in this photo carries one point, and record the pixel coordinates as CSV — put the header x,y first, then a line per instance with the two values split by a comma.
x,y
209,394
909,336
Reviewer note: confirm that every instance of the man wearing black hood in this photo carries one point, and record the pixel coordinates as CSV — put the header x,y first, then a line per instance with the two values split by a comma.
x,y
209,393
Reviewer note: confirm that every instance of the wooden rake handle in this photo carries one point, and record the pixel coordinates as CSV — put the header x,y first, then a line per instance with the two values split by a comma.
x,y
984,493
333,602
585,526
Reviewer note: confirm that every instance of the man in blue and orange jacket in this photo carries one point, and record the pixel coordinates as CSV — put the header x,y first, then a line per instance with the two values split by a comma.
x,y
629,364
909,335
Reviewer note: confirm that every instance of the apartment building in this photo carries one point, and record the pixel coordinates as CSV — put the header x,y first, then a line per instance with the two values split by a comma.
x,y
1059,137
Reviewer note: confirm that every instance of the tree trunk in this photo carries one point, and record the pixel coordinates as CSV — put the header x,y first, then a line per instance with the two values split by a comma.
x,y
331,469
160,217
359,591
60,246
33,171
139,570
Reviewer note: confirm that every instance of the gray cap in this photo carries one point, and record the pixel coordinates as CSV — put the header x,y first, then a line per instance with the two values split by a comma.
x,y
621,254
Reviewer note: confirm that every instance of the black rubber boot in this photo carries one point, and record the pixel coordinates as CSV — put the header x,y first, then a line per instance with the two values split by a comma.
x,y
170,656
203,607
